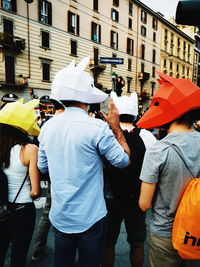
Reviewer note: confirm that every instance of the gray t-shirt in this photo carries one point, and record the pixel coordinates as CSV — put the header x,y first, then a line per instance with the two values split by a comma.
x,y
164,166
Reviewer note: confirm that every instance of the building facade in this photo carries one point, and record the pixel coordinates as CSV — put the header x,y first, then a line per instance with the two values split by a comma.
x,y
177,52
40,37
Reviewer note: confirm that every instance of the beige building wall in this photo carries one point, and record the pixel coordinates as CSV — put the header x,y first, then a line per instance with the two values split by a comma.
x,y
59,52
177,53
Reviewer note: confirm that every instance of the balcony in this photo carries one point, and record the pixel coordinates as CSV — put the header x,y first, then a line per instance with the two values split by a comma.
x,y
18,83
12,44
96,68
143,76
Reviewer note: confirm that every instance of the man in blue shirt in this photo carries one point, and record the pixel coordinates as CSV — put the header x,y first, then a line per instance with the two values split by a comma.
x,y
72,146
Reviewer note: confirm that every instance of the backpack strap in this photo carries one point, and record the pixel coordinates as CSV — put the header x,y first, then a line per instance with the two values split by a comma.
x,y
180,156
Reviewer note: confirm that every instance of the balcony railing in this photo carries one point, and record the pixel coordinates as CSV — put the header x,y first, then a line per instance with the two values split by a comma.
x,y
11,43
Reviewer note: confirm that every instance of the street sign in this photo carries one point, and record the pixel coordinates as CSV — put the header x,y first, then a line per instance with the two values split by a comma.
x,y
111,60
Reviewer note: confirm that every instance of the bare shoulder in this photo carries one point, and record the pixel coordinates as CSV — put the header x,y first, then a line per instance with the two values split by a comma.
x,y
30,148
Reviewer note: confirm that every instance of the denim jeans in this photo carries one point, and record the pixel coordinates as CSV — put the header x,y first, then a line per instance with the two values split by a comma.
x,y
44,225
18,232
88,243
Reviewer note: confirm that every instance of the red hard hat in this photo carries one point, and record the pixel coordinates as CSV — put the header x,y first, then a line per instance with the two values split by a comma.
x,y
174,98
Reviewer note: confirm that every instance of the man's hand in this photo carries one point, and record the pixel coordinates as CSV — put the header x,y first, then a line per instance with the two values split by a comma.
x,y
113,114
113,121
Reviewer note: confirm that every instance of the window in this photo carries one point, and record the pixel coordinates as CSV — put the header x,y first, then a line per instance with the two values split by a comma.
x,y
73,47
152,88
154,36
143,16
183,70
130,45
114,40
142,51
45,39
171,65
177,68
96,56
95,32
165,63
172,38
130,8
188,72
189,53
45,12
154,56
130,23
179,42
153,72
8,26
142,67
166,35
154,24
116,2
46,66
10,69
143,31
129,84
73,23
9,5
114,15
165,46
129,64
184,45
95,5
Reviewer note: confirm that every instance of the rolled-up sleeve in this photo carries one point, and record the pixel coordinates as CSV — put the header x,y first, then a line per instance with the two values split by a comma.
x,y
111,149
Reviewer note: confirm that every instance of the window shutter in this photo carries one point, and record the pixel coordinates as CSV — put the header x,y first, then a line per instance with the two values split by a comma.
x,y
117,16
50,13
99,33
69,21
39,9
77,24
95,5
117,42
92,30
111,38
127,46
14,5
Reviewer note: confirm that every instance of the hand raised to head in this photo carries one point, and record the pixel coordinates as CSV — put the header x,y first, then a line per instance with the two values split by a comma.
x,y
113,114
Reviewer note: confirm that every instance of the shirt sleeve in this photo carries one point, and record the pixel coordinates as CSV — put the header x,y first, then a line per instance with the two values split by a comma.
x,y
111,149
42,159
151,165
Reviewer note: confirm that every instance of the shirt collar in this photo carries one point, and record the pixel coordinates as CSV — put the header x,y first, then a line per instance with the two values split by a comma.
x,y
75,109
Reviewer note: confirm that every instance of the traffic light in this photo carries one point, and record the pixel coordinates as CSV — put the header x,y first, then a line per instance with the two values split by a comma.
x,y
187,12
119,84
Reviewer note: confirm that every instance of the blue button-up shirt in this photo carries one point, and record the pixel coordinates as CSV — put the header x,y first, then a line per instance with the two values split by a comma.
x,y
72,146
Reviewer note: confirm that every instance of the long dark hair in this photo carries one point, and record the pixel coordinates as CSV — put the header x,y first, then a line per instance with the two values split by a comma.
x,y
10,136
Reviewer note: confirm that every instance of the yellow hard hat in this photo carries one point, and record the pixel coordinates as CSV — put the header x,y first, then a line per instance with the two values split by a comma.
x,y
21,116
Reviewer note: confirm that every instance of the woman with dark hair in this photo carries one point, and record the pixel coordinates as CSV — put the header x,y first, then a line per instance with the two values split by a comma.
x,y
18,159
174,109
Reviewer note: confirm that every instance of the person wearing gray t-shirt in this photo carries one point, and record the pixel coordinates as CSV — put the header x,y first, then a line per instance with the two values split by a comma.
x,y
174,109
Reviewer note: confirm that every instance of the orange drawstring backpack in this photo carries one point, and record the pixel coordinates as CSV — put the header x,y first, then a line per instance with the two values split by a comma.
x,y
186,228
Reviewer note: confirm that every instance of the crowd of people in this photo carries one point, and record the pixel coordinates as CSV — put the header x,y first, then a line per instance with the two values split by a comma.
x,y
100,172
